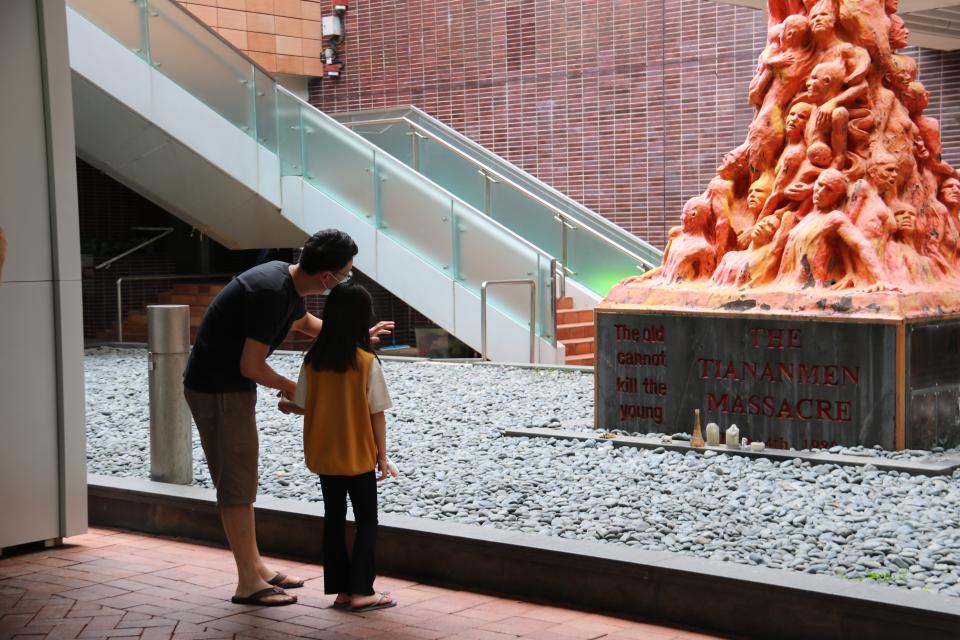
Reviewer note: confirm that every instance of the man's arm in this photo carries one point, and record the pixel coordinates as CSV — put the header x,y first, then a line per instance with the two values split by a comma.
x,y
309,325
253,366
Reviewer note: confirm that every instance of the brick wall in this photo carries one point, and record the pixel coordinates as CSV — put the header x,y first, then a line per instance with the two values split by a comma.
x,y
283,36
626,106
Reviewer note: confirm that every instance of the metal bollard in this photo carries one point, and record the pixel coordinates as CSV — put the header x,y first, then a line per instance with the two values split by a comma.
x,y
168,346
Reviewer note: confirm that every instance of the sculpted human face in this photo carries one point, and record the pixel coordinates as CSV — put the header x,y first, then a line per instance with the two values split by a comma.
x,y
733,165
915,98
694,216
891,6
797,119
920,149
950,192
906,219
794,32
827,191
884,175
822,20
757,196
819,83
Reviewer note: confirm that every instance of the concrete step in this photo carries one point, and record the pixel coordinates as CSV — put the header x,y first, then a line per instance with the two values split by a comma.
x,y
194,288
176,298
578,346
570,316
575,330
585,360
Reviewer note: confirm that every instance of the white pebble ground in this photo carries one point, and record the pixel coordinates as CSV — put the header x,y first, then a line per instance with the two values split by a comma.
x,y
444,435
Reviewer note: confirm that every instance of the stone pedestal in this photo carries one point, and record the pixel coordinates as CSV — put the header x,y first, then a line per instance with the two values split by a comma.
x,y
791,381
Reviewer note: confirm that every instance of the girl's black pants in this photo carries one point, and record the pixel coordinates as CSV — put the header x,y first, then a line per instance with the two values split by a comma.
x,y
342,572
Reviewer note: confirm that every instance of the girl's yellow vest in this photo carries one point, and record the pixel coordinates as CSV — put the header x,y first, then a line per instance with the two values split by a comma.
x,y
337,432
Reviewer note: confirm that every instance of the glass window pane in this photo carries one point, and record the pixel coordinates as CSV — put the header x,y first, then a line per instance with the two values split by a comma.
x,y
338,163
122,19
266,104
196,59
290,139
525,217
416,213
486,252
452,172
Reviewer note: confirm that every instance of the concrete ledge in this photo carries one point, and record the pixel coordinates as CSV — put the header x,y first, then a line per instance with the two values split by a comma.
x,y
724,596
935,465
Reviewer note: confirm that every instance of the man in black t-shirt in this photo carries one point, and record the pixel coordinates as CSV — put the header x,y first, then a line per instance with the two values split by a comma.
x,y
247,320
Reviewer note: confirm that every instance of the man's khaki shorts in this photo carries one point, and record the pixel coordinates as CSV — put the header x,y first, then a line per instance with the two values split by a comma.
x,y
228,432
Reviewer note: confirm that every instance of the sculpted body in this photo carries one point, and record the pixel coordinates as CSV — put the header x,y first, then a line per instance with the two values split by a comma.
x,y
825,246
839,184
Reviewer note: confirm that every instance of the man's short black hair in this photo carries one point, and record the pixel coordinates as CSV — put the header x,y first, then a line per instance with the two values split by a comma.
x,y
327,250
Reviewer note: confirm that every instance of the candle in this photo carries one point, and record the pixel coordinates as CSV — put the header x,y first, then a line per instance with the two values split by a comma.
x,y
713,434
756,446
733,437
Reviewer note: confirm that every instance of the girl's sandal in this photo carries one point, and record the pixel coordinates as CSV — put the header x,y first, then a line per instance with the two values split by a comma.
x,y
379,604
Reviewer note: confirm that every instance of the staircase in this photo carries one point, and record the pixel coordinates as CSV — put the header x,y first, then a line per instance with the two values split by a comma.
x,y
166,107
198,296
575,331
593,253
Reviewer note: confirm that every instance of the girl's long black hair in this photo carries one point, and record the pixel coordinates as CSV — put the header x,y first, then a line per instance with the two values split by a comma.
x,y
347,316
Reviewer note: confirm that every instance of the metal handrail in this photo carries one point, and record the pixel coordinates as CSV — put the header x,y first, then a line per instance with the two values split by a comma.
x,y
120,281
533,314
165,231
487,172
453,197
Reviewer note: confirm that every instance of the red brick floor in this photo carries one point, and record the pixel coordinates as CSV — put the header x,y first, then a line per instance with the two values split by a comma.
x,y
114,584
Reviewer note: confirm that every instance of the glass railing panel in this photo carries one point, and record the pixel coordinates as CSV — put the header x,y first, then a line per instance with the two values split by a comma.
x,y
451,171
212,71
546,321
486,252
574,209
289,137
266,110
527,218
394,138
415,213
594,262
124,20
338,164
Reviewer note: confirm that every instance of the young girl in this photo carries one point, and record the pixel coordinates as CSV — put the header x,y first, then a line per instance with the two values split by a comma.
x,y
342,395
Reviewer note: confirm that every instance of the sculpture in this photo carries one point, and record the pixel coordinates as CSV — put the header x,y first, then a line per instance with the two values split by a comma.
x,y
839,187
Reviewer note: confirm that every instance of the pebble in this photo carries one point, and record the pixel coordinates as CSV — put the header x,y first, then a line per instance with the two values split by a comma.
x,y
445,435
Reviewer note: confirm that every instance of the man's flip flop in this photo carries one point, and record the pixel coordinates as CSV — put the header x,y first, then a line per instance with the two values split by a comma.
x,y
379,604
262,598
281,580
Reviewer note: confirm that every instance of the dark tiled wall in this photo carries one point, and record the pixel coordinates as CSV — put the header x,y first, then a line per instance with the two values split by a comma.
x,y
624,105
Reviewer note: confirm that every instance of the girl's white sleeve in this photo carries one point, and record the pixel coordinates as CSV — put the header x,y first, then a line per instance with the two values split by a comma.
x,y
378,398
300,397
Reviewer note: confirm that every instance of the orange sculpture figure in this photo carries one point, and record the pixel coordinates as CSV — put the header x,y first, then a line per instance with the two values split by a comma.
x,y
838,190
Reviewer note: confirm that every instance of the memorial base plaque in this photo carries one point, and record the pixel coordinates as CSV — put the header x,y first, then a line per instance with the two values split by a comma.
x,y
789,381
